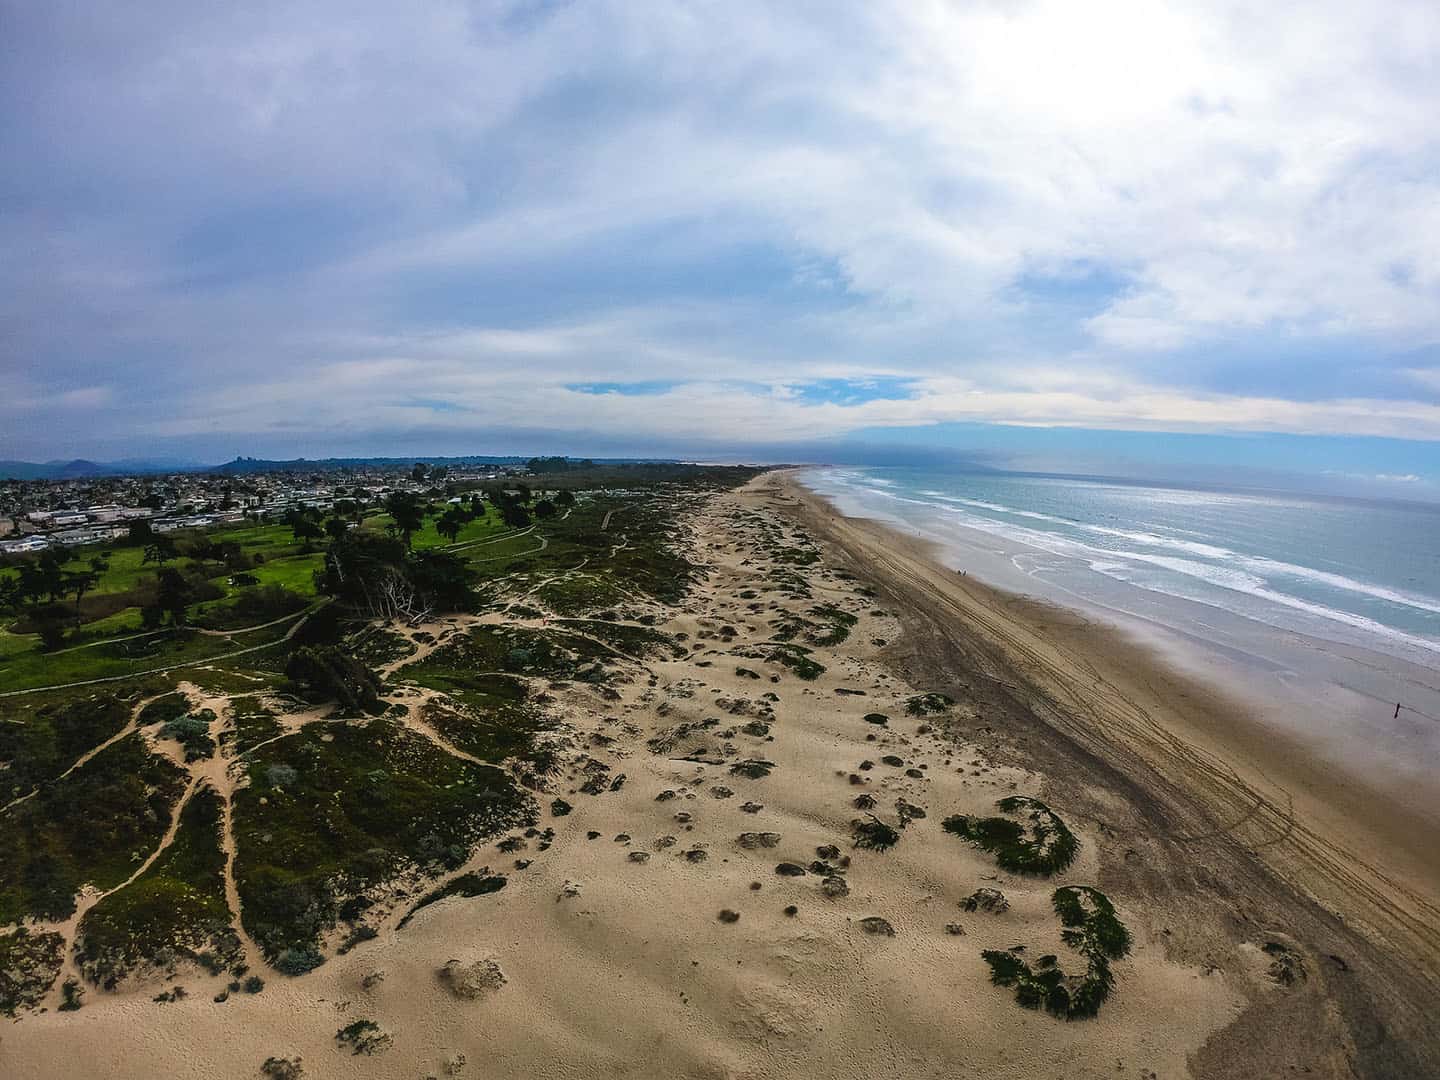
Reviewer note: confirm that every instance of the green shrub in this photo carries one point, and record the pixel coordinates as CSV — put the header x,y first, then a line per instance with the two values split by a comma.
x,y
1045,848
874,834
1094,931
798,660
363,1037
928,704
298,960
193,733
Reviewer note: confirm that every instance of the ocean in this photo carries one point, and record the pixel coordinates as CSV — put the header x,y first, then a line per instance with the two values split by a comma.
x,y
1365,572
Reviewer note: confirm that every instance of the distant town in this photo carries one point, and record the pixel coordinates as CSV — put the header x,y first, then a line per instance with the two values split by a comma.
x,y
40,514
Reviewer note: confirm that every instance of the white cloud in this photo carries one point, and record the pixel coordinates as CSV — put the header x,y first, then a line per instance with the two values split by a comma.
x,y
488,382
1234,172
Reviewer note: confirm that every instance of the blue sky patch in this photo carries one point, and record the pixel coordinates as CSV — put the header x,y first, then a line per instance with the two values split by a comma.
x,y
627,389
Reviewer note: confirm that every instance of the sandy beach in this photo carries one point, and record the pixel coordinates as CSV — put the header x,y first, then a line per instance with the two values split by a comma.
x,y
709,912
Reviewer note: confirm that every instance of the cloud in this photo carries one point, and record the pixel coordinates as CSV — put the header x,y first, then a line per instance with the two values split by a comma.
x,y
351,221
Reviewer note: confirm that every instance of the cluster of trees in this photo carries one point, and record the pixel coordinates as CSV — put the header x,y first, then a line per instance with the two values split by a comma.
x,y
47,593
456,516
542,465
39,587
309,525
162,548
512,504
379,576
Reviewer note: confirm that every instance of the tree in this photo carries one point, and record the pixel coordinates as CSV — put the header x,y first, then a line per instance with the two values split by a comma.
x,y
544,509
173,595
202,548
441,580
233,556
450,523
49,578
140,533
11,594
378,576
514,515
303,526
306,530
50,625
407,513
161,550
365,571
336,527
419,472
331,673
81,582
565,498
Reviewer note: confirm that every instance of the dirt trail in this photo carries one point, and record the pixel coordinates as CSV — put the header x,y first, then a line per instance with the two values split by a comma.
x,y
541,546
200,662
258,626
129,729
465,545
416,698
68,929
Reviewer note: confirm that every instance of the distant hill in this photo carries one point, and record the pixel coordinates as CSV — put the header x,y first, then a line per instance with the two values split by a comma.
x,y
53,470
258,465
80,468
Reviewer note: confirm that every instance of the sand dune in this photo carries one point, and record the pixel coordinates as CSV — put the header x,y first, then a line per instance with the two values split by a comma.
x,y
616,959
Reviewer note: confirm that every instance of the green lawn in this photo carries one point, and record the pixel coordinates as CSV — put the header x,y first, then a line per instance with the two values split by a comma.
x,y
169,650
428,537
285,564
296,573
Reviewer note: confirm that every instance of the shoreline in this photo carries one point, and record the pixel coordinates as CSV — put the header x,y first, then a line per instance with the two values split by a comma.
x,y
1324,696
1187,752
1215,716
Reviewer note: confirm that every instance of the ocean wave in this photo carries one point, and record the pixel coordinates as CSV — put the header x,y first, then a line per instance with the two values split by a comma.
x,y
1260,564
1253,585
1165,569
1194,547
1345,584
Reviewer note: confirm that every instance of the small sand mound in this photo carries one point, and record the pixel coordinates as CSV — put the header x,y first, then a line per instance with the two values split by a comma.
x,y
754,840
473,979
986,899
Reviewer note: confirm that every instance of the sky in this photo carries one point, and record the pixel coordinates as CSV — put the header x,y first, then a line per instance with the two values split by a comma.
x,y
1032,231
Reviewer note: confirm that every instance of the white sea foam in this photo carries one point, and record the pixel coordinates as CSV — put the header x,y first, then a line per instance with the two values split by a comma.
x,y
1247,585
1346,584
